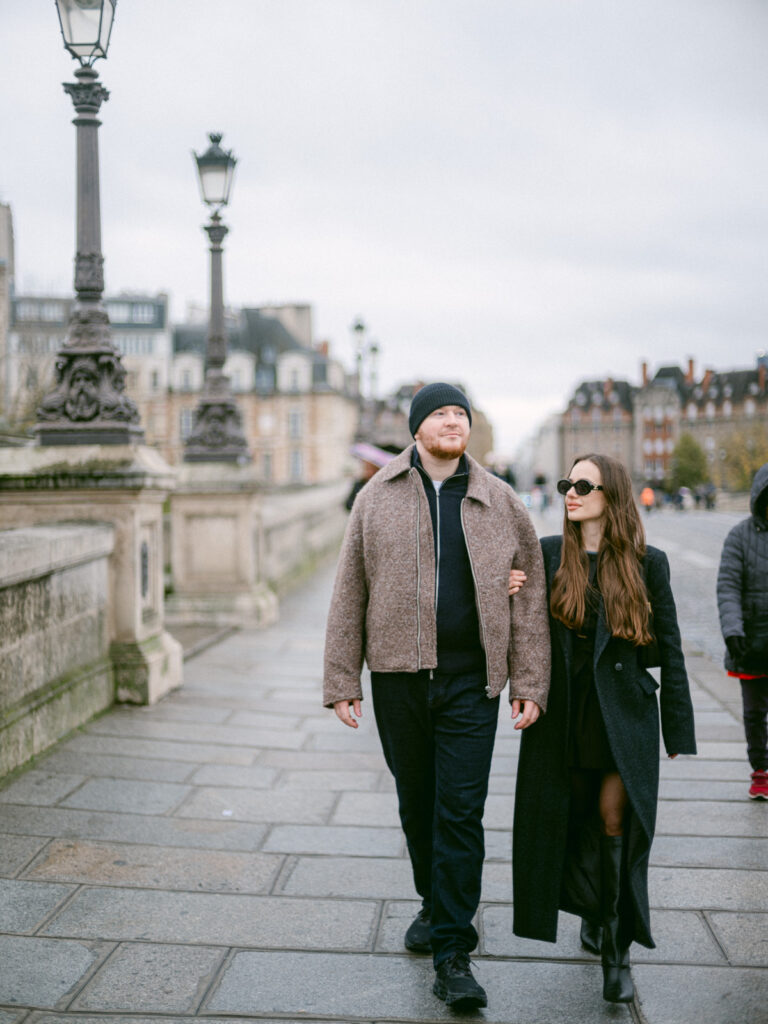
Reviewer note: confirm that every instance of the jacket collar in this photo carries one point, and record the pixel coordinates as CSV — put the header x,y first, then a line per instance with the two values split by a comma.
x,y
477,486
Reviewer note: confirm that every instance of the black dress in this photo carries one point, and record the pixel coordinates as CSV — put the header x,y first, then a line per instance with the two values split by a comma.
x,y
588,747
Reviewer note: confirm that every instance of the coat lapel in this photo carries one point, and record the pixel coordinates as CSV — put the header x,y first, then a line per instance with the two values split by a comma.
x,y
603,632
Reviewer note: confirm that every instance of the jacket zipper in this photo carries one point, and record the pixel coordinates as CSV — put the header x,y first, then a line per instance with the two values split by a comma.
x,y
412,473
437,550
477,596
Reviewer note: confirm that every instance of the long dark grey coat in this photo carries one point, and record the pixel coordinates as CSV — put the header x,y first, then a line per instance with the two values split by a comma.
x,y
742,581
627,696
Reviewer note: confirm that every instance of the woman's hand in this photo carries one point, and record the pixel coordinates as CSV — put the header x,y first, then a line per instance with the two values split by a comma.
x,y
516,579
526,711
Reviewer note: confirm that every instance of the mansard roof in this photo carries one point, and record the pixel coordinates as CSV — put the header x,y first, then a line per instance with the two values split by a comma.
x,y
733,385
603,394
262,336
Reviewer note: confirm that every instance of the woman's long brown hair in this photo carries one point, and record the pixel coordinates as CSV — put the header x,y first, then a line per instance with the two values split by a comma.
x,y
619,561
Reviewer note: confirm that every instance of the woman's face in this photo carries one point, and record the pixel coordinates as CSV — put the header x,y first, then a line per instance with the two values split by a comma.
x,y
591,506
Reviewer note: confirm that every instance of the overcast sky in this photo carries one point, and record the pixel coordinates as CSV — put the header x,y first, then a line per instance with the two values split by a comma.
x,y
516,194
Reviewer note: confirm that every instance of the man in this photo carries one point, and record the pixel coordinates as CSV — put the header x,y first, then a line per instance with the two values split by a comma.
x,y
742,600
421,595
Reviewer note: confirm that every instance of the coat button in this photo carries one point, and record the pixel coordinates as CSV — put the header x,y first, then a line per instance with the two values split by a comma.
x,y
618,666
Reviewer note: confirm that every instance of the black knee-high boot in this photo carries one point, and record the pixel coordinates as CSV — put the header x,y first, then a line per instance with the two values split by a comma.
x,y
617,980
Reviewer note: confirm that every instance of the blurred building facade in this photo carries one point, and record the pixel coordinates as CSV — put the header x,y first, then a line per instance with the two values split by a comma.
x,y
299,414
642,423
6,291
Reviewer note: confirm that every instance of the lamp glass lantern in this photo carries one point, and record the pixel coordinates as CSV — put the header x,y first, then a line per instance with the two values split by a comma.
x,y
86,26
215,171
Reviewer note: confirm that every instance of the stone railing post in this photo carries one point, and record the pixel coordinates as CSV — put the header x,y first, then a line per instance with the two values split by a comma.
x,y
124,485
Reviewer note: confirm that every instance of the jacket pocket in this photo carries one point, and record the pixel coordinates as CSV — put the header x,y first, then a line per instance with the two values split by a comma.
x,y
647,682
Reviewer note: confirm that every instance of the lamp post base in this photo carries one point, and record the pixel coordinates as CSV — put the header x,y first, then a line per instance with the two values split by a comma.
x,y
88,433
217,435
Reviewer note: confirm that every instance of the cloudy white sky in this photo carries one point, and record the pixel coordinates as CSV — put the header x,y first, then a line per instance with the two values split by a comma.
x,y
517,194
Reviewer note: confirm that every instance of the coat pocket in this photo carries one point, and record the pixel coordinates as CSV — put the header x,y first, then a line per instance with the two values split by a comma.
x,y
647,682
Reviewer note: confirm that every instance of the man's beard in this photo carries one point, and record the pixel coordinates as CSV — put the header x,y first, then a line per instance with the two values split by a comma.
x,y
458,446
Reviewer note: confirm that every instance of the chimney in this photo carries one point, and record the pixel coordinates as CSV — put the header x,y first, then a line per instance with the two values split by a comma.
x,y
707,380
323,347
607,387
644,370
689,374
761,375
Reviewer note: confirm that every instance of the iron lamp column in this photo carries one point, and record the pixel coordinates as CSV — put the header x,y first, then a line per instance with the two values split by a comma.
x,y
88,404
217,434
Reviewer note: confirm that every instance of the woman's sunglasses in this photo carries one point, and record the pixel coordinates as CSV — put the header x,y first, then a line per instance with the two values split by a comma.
x,y
582,487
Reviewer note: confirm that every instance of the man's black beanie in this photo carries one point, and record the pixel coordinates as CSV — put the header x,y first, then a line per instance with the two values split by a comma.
x,y
434,396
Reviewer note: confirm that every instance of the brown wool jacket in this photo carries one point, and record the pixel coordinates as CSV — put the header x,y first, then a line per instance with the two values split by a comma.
x,y
383,611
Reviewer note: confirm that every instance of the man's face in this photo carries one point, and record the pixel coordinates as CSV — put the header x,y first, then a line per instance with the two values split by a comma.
x,y
445,432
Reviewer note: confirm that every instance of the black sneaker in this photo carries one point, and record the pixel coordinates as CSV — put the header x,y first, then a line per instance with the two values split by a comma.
x,y
455,985
417,937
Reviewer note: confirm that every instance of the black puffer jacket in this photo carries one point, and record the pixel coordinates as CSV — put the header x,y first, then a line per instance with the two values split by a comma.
x,y
742,581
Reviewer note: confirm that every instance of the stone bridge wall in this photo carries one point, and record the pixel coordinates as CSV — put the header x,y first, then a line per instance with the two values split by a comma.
x,y
55,629
300,528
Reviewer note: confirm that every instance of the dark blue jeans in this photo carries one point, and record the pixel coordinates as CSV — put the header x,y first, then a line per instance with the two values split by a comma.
x,y
438,736
754,697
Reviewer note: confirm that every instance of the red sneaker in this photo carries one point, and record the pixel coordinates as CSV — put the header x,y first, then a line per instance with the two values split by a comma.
x,y
759,788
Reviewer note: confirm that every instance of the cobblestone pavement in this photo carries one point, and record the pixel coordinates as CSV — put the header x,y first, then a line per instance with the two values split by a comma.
x,y
234,852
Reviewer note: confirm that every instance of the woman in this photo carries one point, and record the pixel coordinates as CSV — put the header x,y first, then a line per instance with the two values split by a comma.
x,y
588,776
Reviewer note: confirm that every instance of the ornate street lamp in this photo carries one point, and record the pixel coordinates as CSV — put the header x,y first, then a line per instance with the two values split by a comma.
x,y
217,434
88,404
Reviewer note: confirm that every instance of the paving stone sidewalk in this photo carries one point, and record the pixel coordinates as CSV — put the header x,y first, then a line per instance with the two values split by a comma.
x,y
234,852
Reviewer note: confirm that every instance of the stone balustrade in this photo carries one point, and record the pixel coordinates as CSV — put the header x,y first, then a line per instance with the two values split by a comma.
x,y
300,528
55,631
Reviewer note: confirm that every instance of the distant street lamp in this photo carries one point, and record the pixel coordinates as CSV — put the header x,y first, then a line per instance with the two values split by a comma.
x,y
217,434
88,404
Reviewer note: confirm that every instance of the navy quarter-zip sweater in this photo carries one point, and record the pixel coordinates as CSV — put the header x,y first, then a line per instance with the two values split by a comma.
x,y
459,648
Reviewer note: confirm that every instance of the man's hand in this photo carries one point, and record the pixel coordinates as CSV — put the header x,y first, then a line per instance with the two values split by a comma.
x,y
530,711
516,579
342,709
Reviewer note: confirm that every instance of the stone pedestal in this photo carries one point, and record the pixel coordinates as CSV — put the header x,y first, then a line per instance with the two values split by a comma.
x,y
124,485
217,548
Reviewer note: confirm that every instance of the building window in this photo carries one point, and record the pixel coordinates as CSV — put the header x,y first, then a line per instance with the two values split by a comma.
x,y
155,380
710,410
749,407
691,411
186,380
266,464
727,409
294,424
186,419
294,385
297,466
143,313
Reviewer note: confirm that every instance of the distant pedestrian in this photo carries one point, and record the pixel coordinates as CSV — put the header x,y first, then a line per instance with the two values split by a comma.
x,y
588,774
647,498
742,601
372,458
421,595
